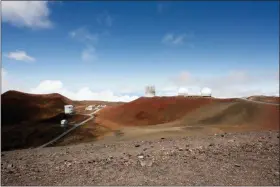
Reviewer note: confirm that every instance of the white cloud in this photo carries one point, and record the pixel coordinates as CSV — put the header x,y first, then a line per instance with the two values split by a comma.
x,y
173,39
32,14
56,86
89,54
84,35
20,56
105,19
48,86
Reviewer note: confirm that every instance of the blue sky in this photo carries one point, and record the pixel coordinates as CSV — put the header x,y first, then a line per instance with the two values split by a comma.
x,y
119,47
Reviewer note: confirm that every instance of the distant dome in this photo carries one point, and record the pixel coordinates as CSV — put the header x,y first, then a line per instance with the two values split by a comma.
x,y
182,91
206,92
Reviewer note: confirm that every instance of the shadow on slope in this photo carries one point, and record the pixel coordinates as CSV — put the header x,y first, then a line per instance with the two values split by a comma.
x,y
18,107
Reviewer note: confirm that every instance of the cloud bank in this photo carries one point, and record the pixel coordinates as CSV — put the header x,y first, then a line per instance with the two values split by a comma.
x,y
56,86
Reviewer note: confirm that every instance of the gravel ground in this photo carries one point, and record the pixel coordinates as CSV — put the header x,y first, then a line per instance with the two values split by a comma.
x,y
223,159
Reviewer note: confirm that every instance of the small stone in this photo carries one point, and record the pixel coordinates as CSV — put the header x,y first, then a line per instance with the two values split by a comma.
x,y
162,138
68,164
111,157
137,145
181,149
211,144
141,156
237,165
150,163
10,166
142,163
222,135
276,173
277,136
144,149
230,141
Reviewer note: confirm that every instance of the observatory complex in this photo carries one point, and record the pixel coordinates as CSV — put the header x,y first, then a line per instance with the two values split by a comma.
x,y
206,92
182,92
150,91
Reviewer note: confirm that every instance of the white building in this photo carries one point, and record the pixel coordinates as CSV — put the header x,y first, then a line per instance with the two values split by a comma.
x,y
183,91
206,92
64,123
90,107
68,109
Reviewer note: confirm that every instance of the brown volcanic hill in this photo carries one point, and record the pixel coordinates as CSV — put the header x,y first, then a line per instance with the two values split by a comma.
x,y
239,113
18,106
269,99
155,110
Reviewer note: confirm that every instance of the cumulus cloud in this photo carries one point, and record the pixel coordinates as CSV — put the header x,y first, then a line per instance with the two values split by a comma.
x,y
20,56
173,39
31,14
48,86
105,19
89,54
56,86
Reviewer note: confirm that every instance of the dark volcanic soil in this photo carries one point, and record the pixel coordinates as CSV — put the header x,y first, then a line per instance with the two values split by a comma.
x,y
224,159
18,107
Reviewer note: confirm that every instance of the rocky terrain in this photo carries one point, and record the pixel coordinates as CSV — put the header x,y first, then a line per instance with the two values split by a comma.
x,y
250,158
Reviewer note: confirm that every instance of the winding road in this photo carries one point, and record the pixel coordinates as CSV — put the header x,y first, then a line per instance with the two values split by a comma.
x,y
71,129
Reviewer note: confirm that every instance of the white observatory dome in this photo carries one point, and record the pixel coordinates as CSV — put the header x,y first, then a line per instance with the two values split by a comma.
x,y
183,91
206,92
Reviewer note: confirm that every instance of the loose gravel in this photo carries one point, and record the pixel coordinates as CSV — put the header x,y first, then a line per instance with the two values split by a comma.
x,y
227,159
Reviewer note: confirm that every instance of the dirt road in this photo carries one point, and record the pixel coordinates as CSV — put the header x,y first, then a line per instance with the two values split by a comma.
x,y
70,130
224,159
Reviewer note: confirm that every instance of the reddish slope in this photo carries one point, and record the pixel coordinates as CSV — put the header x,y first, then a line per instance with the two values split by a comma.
x,y
269,99
18,107
150,111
